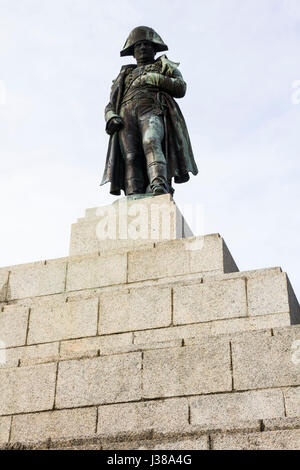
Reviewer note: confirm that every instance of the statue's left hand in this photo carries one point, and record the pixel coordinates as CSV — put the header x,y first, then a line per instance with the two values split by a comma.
x,y
114,125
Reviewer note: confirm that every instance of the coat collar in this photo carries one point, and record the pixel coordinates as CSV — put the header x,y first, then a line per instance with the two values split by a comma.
x,y
167,65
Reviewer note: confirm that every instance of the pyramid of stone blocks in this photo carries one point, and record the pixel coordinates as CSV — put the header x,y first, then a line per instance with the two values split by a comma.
x,y
148,344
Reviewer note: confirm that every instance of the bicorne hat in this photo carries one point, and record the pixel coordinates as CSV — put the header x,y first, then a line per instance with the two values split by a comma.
x,y
143,33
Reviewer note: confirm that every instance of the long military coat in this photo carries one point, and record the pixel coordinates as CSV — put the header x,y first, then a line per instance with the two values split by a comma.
x,y
176,146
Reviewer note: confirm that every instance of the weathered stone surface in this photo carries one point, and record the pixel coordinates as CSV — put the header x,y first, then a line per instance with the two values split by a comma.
x,y
28,355
139,309
91,347
292,331
4,428
156,263
99,380
77,444
209,253
236,325
187,371
269,440
292,401
80,348
39,353
55,425
97,271
45,300
233,407
162,415
177,257
13,326
27,389
240,336
234,426
114,343
35,279
84,240
175,343
220,327
253,273
198,443
281,423
3,283
70,320
268,295
209,301
264,364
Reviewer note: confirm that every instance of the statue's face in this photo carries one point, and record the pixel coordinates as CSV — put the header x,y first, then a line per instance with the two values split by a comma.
x,y
144,50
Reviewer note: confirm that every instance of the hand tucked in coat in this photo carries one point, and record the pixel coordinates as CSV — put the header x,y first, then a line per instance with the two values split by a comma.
x,y
174,86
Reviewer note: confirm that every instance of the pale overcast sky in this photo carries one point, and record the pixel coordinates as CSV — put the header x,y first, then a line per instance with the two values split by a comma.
x,y
240,59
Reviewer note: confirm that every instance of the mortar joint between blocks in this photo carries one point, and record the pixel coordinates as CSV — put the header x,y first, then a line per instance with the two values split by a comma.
x,y
7,286
27,327
246,295
10,429
284,403
59,348
127,266
172,306
142,376
97,419
98,317
66,276
55,386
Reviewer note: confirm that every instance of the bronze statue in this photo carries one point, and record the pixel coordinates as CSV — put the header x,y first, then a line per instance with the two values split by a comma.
x,y
149,142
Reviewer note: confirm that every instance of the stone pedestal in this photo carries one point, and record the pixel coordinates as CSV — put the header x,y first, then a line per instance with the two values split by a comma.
x,y
153,343
128,222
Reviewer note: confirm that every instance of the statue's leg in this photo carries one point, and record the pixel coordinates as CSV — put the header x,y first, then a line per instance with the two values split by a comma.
x,y
130,142
152,129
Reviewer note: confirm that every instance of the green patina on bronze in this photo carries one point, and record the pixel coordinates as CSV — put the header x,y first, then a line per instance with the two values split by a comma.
x,y
149,141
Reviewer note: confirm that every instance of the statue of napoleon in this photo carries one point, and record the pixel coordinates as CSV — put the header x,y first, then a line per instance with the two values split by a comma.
x,y
149,142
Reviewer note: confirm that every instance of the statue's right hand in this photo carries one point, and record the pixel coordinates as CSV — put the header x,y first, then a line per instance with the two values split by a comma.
x,y
114,125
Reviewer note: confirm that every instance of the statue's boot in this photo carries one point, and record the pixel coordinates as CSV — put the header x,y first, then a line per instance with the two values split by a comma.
x,y
134,177
157,174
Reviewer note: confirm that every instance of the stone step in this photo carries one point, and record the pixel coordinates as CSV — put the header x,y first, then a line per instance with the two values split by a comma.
x,y
72,429
154,314
196,255
58,279
249,384
252,361
161,338
75,429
